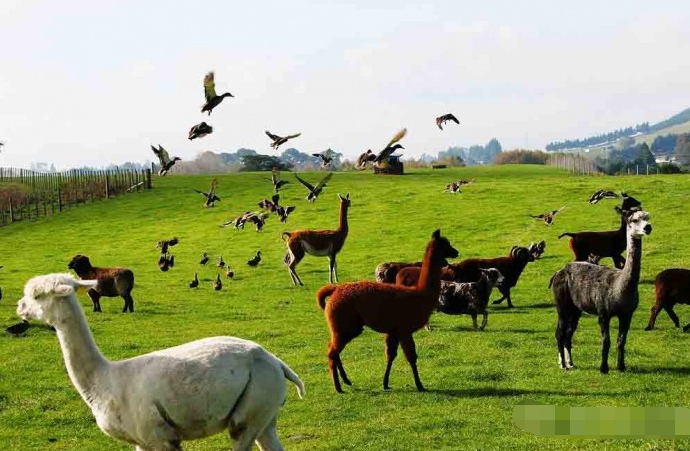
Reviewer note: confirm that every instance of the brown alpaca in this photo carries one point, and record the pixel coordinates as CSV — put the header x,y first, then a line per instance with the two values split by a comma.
x,y
319,243
394,310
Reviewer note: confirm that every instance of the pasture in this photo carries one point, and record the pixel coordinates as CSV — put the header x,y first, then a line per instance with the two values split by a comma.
x,y
474,378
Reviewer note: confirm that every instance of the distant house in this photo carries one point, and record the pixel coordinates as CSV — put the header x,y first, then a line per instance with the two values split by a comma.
x,y
666,159
391,165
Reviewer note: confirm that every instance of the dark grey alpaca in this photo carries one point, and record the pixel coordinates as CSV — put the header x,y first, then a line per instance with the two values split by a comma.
x,y
602,291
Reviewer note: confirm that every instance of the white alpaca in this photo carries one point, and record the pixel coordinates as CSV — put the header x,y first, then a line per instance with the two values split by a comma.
x,y
157,400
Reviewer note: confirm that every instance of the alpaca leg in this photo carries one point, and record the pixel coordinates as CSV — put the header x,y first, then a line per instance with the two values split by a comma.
x,y
672,315
560,340
392,343
296,255
331,266
485,319
96,299
656,308
408,347
623,327
474,321
571,327
604,322
129,303
268,440
334,363
510,301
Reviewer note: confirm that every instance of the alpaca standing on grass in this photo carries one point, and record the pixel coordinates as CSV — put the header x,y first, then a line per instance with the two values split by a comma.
x,y
394,310
319,243
157,400
602,291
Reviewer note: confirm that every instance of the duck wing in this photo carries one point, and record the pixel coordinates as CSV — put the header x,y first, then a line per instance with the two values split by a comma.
x,y
209,87
306,184
162,154
323,181
293,136
272,136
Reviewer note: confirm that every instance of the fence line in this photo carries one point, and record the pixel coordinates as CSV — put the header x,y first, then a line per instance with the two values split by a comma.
x,y
576,164
26,194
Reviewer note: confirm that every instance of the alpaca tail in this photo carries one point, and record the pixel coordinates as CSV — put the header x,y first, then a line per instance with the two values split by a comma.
x,y
566,234
323,293
551,279
294,378
286,234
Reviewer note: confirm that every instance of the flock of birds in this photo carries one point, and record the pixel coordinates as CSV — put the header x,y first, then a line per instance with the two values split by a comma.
x,y
213,100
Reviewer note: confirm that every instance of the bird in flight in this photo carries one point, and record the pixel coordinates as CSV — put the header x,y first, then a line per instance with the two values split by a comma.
x,y
278,140
211,195
275,179
212,99
445,118
314,191
326,158
199,131
365,158
601,194
164,159
391,146
549,216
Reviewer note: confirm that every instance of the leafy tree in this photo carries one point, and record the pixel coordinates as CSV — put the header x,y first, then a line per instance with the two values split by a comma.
x,y
263,163
682,149
645,156
492,150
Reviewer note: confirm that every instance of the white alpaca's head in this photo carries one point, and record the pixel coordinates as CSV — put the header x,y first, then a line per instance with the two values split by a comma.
x,y
42,295
638,223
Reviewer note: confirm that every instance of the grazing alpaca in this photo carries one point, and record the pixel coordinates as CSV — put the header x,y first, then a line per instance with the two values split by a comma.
x,y
469,270
602,291
393,310
672,286
319,243
593,246
112,282
157,400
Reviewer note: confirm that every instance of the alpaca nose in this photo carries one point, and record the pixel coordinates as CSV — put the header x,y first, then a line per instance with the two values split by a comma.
x,y
648,229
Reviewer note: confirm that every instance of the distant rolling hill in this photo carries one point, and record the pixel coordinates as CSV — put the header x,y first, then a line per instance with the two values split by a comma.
x,y
676,124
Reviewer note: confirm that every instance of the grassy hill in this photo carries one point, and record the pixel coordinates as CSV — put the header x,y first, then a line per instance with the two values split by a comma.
x,y
475,378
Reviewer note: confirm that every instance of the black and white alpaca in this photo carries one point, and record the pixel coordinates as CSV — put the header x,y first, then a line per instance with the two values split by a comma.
x,y
469,298
602,291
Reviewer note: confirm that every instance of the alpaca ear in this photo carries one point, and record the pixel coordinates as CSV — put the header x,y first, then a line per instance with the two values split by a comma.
x,y
437,234
347,196
618,210
341,197
63,290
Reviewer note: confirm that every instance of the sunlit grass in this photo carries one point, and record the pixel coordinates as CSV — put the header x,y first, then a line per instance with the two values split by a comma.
x,y
475,378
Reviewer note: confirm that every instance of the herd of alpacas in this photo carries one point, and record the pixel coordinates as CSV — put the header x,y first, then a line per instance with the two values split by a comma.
x,y
225,383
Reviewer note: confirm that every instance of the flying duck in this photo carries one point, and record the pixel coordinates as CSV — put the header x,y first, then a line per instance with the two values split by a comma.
x,y
164,159
278,140
365,158
165,244
277,183
391,146
549,216
601,194
314,191
199,131
212,99
445,118
211,195
326,159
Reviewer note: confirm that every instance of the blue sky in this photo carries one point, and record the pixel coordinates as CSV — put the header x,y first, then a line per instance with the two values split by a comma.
x,y
86,82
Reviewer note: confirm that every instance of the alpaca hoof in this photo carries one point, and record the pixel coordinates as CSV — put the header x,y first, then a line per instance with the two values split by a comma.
x,y
621,368
386,387
346,381
420,388
604,370
339,390
686,328
496,302
648,328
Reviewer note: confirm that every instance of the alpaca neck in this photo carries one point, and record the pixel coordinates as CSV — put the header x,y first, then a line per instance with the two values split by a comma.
x,y
342,224
430,275
83,360
631,269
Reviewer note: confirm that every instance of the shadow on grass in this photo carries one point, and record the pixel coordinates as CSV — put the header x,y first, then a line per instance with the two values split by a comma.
x,y
675,371
482,392
541,305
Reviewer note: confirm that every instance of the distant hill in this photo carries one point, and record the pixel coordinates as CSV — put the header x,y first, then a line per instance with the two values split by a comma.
x,y
677,124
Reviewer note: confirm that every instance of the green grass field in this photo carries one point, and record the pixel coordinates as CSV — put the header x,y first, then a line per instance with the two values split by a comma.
x,y
474,378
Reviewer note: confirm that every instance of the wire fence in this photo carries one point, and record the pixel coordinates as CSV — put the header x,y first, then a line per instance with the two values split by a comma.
x,y
26,194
